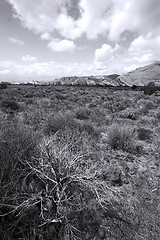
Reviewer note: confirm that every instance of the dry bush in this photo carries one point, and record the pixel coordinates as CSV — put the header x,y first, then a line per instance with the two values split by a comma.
x,y
150,88
129,113
17,146
58,121
9,106
121,136
83,113
50,191
61,122
47,196
34,116
144,134
158,114
145,105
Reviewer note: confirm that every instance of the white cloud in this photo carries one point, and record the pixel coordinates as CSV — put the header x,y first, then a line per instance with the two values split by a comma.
x,y
5,71
46,36
61,45
45,70
95,18
105,53
45,16
29,58
16,41
142,51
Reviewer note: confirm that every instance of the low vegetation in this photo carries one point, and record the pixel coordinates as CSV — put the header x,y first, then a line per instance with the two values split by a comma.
x,y
79,163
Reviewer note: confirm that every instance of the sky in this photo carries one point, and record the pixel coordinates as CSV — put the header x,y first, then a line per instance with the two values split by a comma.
x,y
41,40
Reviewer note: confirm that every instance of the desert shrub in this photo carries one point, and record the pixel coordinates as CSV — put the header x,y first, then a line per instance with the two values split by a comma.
x,y
121,137
149,104
28,95
60,96
50,196
61,122
144,134
117,104
58,121
75,204
89,129
150,88
129,113
33,116
10,105
83,113
158,114
147,120
18,145
29,101
145,105
3,85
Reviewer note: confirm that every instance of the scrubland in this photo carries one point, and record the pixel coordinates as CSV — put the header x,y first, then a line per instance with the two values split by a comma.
x,y
79,163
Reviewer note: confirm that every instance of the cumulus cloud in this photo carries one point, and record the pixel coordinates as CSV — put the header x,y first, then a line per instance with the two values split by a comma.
x,y
46,16
45,70
93,17
16,41
142,51
61,45
131,28
46,36
29,58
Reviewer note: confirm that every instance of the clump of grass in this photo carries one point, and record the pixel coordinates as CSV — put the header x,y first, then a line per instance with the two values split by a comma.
x,y
120,137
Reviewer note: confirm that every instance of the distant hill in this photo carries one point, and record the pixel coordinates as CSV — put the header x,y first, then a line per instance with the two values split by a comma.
x,y
140,77
101,80
143,75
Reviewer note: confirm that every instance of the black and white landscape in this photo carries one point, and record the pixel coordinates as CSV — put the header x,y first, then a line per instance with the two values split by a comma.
x,y
79,119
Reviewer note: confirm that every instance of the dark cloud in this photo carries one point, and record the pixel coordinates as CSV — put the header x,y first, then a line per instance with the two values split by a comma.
x,y
126,38
73,9
149,15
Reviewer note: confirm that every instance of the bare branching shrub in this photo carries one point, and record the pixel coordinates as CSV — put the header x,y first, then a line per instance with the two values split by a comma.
x,y
50,196
121,136
53,192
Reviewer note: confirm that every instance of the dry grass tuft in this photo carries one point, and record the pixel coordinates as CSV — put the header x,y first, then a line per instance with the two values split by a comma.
x,y
121,136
